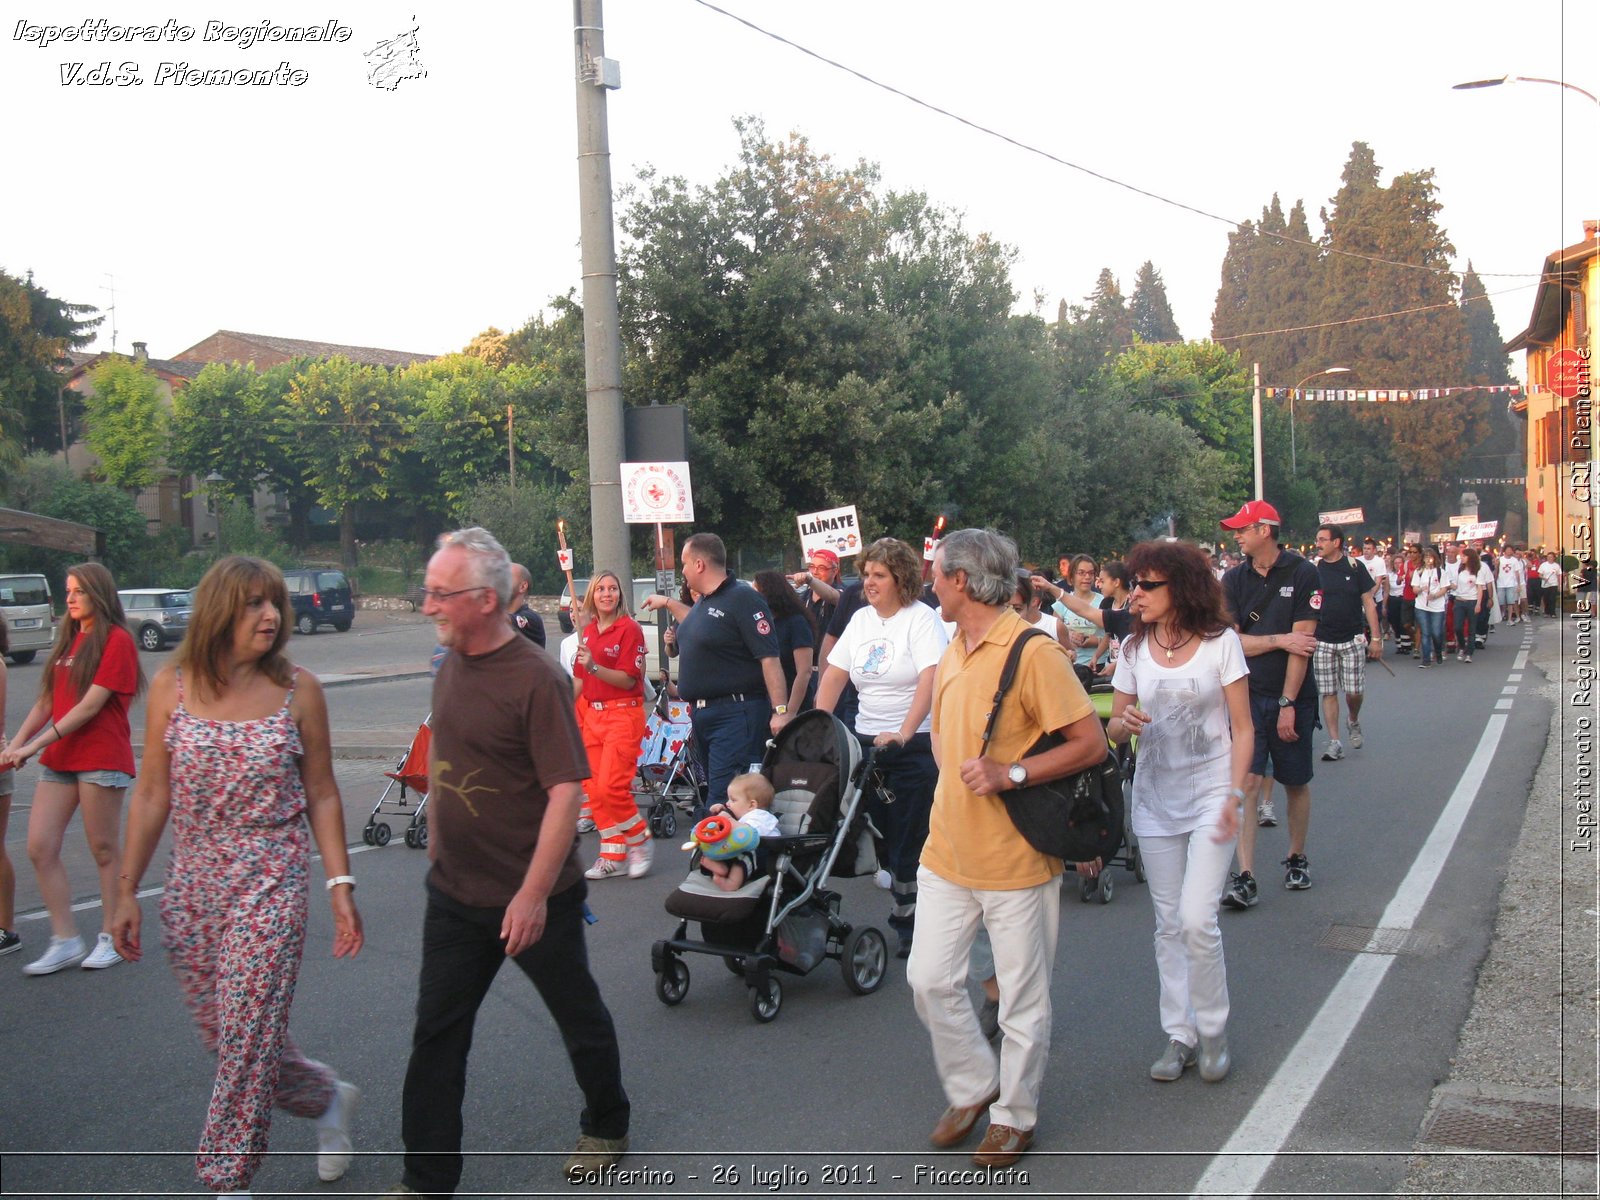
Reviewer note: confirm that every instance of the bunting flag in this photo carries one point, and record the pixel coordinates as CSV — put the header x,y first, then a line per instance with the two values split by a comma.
x,y
1386,395
1519,481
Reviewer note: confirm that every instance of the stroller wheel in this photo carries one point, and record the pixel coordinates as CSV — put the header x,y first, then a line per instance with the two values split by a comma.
x,y
366,834
410,836
863,959
1088,888
663,820
422,834
1106,887
1138,864
766,1001
381,833
672,981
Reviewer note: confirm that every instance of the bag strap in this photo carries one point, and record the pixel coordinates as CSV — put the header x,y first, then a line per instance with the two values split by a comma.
x,y
1008,675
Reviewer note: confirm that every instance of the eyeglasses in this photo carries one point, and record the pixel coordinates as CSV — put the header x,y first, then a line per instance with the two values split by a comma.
x,y
1150,585
439,597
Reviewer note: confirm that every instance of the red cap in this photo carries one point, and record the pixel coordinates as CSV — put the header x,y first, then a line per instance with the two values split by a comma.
x,y
1255,512
823,556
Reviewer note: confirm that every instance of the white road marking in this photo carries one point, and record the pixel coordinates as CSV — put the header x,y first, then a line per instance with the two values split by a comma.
x,y
1249,1153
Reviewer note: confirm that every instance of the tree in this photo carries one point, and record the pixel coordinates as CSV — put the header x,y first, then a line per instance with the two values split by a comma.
x,y
1269,292
36,331
349,426
127,422
1486,361
523,519
1149,310
41,484
1201,385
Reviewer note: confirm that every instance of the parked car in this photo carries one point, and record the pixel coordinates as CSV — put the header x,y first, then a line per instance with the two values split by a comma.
x,y
320,596
157,617
641,589
30,621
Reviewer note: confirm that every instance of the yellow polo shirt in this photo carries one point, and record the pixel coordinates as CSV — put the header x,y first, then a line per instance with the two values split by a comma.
x,y
971,840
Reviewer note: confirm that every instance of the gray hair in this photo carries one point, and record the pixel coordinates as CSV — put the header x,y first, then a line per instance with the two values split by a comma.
x,y
989,559
491,565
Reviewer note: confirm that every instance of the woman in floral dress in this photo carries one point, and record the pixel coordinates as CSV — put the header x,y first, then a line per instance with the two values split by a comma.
x,y
237,751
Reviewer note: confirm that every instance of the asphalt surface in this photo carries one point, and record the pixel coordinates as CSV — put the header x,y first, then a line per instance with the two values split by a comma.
x,y
104,1084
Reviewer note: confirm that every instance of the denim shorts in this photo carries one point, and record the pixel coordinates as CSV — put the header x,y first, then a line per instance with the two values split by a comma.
x,y
105,779
1291,761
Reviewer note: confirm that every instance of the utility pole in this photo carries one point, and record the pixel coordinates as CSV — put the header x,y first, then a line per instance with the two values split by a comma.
x,y
602,338
1255,425
511,449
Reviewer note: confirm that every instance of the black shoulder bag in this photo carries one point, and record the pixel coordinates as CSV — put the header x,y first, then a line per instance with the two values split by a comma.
x,y
1077,818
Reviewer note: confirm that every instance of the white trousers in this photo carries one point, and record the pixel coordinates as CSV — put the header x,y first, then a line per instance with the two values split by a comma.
x,y
1023,924
1186,874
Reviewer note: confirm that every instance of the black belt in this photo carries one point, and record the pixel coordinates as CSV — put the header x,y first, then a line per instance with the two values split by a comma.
x,y
730,698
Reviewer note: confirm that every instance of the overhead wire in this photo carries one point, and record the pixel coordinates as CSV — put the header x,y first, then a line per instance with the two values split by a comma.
x,y
1030,148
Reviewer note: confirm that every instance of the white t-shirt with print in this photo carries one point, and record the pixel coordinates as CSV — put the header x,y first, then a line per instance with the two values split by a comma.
x,y
1510,573
1380,574
1464,586
1550,574
1185,772
1423,583
885,658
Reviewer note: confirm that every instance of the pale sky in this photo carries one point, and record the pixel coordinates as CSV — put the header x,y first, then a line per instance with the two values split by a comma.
x,y
413,218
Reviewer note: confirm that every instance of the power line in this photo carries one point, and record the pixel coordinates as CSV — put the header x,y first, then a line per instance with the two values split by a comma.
x,y
1029,148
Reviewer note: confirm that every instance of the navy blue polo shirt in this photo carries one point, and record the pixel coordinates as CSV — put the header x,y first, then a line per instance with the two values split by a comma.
x,y
1264,605
722,641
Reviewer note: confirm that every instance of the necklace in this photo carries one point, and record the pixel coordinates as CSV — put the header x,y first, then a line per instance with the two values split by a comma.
x,y
1155,636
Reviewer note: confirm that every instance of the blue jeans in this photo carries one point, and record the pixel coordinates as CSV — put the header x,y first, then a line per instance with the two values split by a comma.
x,y
910,774
1465,611
1430,627
727,739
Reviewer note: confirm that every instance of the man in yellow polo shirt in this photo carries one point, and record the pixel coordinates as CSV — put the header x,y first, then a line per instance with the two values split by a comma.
x,y
976,868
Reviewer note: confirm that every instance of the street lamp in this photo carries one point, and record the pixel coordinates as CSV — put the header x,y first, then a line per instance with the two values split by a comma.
x,y
1294,460
1483,83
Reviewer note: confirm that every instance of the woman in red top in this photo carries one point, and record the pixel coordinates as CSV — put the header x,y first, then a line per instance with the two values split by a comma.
x,y
610,668
80,721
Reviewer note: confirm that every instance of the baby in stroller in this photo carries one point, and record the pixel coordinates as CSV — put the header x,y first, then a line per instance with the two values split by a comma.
x,y
729,855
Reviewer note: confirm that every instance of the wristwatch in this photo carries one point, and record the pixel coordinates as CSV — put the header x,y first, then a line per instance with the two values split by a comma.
x,y
594,667
780,709
1285,702
1017,773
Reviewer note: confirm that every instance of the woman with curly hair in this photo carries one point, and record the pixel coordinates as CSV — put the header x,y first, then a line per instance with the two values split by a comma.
x,y
889,651
1182,688
80,722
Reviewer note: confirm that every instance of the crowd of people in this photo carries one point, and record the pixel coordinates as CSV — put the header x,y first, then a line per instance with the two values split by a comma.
x,y
1222,667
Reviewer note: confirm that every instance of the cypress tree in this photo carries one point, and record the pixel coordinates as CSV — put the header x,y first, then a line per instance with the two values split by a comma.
x,y
1149,309
1486,362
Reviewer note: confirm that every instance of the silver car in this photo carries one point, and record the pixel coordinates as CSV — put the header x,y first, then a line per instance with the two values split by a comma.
x,y
157,617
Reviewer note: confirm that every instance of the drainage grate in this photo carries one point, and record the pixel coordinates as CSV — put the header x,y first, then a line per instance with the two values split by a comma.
x,y
1511,1126
1364,939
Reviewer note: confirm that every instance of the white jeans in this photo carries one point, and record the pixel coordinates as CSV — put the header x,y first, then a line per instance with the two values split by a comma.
x,y
1022,925
1186,874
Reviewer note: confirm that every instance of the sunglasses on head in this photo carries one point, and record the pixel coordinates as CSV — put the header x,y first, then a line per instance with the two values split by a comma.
x,y
1150,585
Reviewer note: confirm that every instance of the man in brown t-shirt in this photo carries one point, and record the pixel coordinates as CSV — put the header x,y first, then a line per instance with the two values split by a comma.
x,y
505,773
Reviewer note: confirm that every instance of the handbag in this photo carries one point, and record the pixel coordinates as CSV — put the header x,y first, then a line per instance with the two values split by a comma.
x,y
1077,818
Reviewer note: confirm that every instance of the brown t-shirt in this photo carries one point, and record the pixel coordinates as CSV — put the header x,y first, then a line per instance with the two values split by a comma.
x,y
504,732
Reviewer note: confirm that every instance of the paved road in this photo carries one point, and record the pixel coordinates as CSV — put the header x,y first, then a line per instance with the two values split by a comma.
x,y
841,1086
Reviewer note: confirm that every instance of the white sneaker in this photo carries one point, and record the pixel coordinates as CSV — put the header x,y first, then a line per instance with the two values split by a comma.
x,y
63,952
586,825
605,868
1334,752
334,1149
640,858
1265,816
1355,736
103,955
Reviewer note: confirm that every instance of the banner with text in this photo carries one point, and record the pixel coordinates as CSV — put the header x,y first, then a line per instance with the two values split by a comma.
x,y
1342,516
1477,532
833,529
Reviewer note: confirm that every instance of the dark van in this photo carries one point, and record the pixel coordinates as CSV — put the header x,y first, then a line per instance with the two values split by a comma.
x,y
320,596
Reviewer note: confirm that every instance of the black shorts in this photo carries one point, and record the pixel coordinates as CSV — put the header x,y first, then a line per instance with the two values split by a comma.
x,y
1291,761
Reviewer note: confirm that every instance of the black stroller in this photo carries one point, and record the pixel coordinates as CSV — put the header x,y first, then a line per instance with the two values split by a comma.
x,y
786,920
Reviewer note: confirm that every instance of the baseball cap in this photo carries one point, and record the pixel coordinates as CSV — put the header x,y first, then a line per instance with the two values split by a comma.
x,y
826,557
1254,512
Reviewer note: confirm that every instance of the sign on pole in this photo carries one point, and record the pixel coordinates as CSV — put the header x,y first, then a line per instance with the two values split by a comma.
x,y
835,529
656,494
1412,536
1478,531
1566,374
1462,519
1342,516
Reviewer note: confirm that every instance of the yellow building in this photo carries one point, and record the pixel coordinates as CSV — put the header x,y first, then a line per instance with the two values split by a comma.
x,y
1557,406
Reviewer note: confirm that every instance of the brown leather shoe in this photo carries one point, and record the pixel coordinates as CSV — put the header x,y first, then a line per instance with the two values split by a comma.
x,y
957,1122
1002,1146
